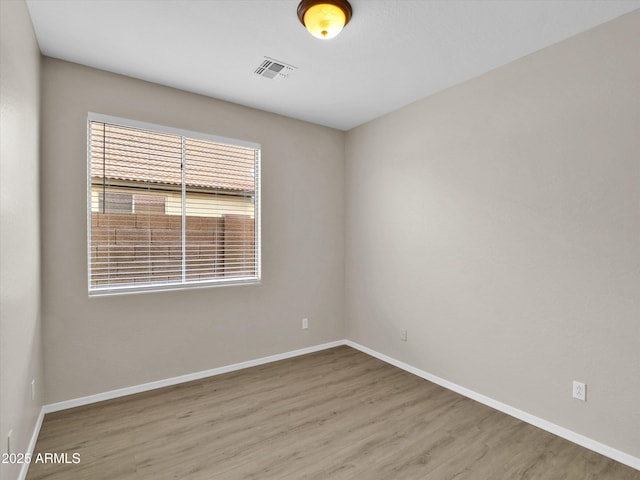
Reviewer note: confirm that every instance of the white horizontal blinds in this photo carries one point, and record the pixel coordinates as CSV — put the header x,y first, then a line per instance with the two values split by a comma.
x,y
136,204
153,224
220,210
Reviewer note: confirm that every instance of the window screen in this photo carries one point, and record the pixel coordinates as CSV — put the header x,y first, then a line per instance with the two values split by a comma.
x,y
169,209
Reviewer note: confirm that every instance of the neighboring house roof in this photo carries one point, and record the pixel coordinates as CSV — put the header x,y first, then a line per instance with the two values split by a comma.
x,y
129,154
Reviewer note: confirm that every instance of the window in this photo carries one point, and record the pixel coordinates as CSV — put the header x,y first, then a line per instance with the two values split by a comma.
x,y
112,202
150,204
169,208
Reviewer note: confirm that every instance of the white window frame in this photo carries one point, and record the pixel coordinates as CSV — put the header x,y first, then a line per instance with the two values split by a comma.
x,y
159,286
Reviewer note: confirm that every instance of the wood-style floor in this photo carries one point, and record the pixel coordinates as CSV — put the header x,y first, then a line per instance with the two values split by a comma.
x,y
335,414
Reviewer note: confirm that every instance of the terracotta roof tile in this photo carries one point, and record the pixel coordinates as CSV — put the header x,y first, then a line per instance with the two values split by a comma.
x,y
130,154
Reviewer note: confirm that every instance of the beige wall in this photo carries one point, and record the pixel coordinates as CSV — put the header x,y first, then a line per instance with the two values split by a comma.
x,y
20,341
99,344
499,223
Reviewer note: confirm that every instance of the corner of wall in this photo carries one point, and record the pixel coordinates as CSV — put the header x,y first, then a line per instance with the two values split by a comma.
x,y
20,314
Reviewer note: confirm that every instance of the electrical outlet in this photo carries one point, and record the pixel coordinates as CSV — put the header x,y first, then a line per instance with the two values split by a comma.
x,y
9,442
403,334
305,323
579,391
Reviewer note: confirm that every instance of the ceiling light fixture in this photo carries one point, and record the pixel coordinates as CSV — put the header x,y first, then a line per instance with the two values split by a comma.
x,y
324,18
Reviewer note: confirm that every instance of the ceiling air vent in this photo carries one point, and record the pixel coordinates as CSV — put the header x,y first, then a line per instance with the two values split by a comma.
x,y
274,69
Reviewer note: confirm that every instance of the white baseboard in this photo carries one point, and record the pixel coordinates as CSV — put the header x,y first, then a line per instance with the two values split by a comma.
x,y
565,433
121,392
32,444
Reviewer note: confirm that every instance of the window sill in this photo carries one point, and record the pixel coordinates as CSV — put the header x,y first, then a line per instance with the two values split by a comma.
x,y
153,288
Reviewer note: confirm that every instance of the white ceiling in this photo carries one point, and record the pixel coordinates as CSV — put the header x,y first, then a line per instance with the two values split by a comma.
x,y
390,54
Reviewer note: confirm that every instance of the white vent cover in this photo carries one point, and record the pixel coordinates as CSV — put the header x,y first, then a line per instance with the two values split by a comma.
x,y
274,69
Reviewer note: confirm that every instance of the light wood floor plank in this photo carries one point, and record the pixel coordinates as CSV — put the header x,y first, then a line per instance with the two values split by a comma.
x,y
338,414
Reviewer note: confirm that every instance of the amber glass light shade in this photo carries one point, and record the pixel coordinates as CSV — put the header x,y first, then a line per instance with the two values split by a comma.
x,y
324,18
